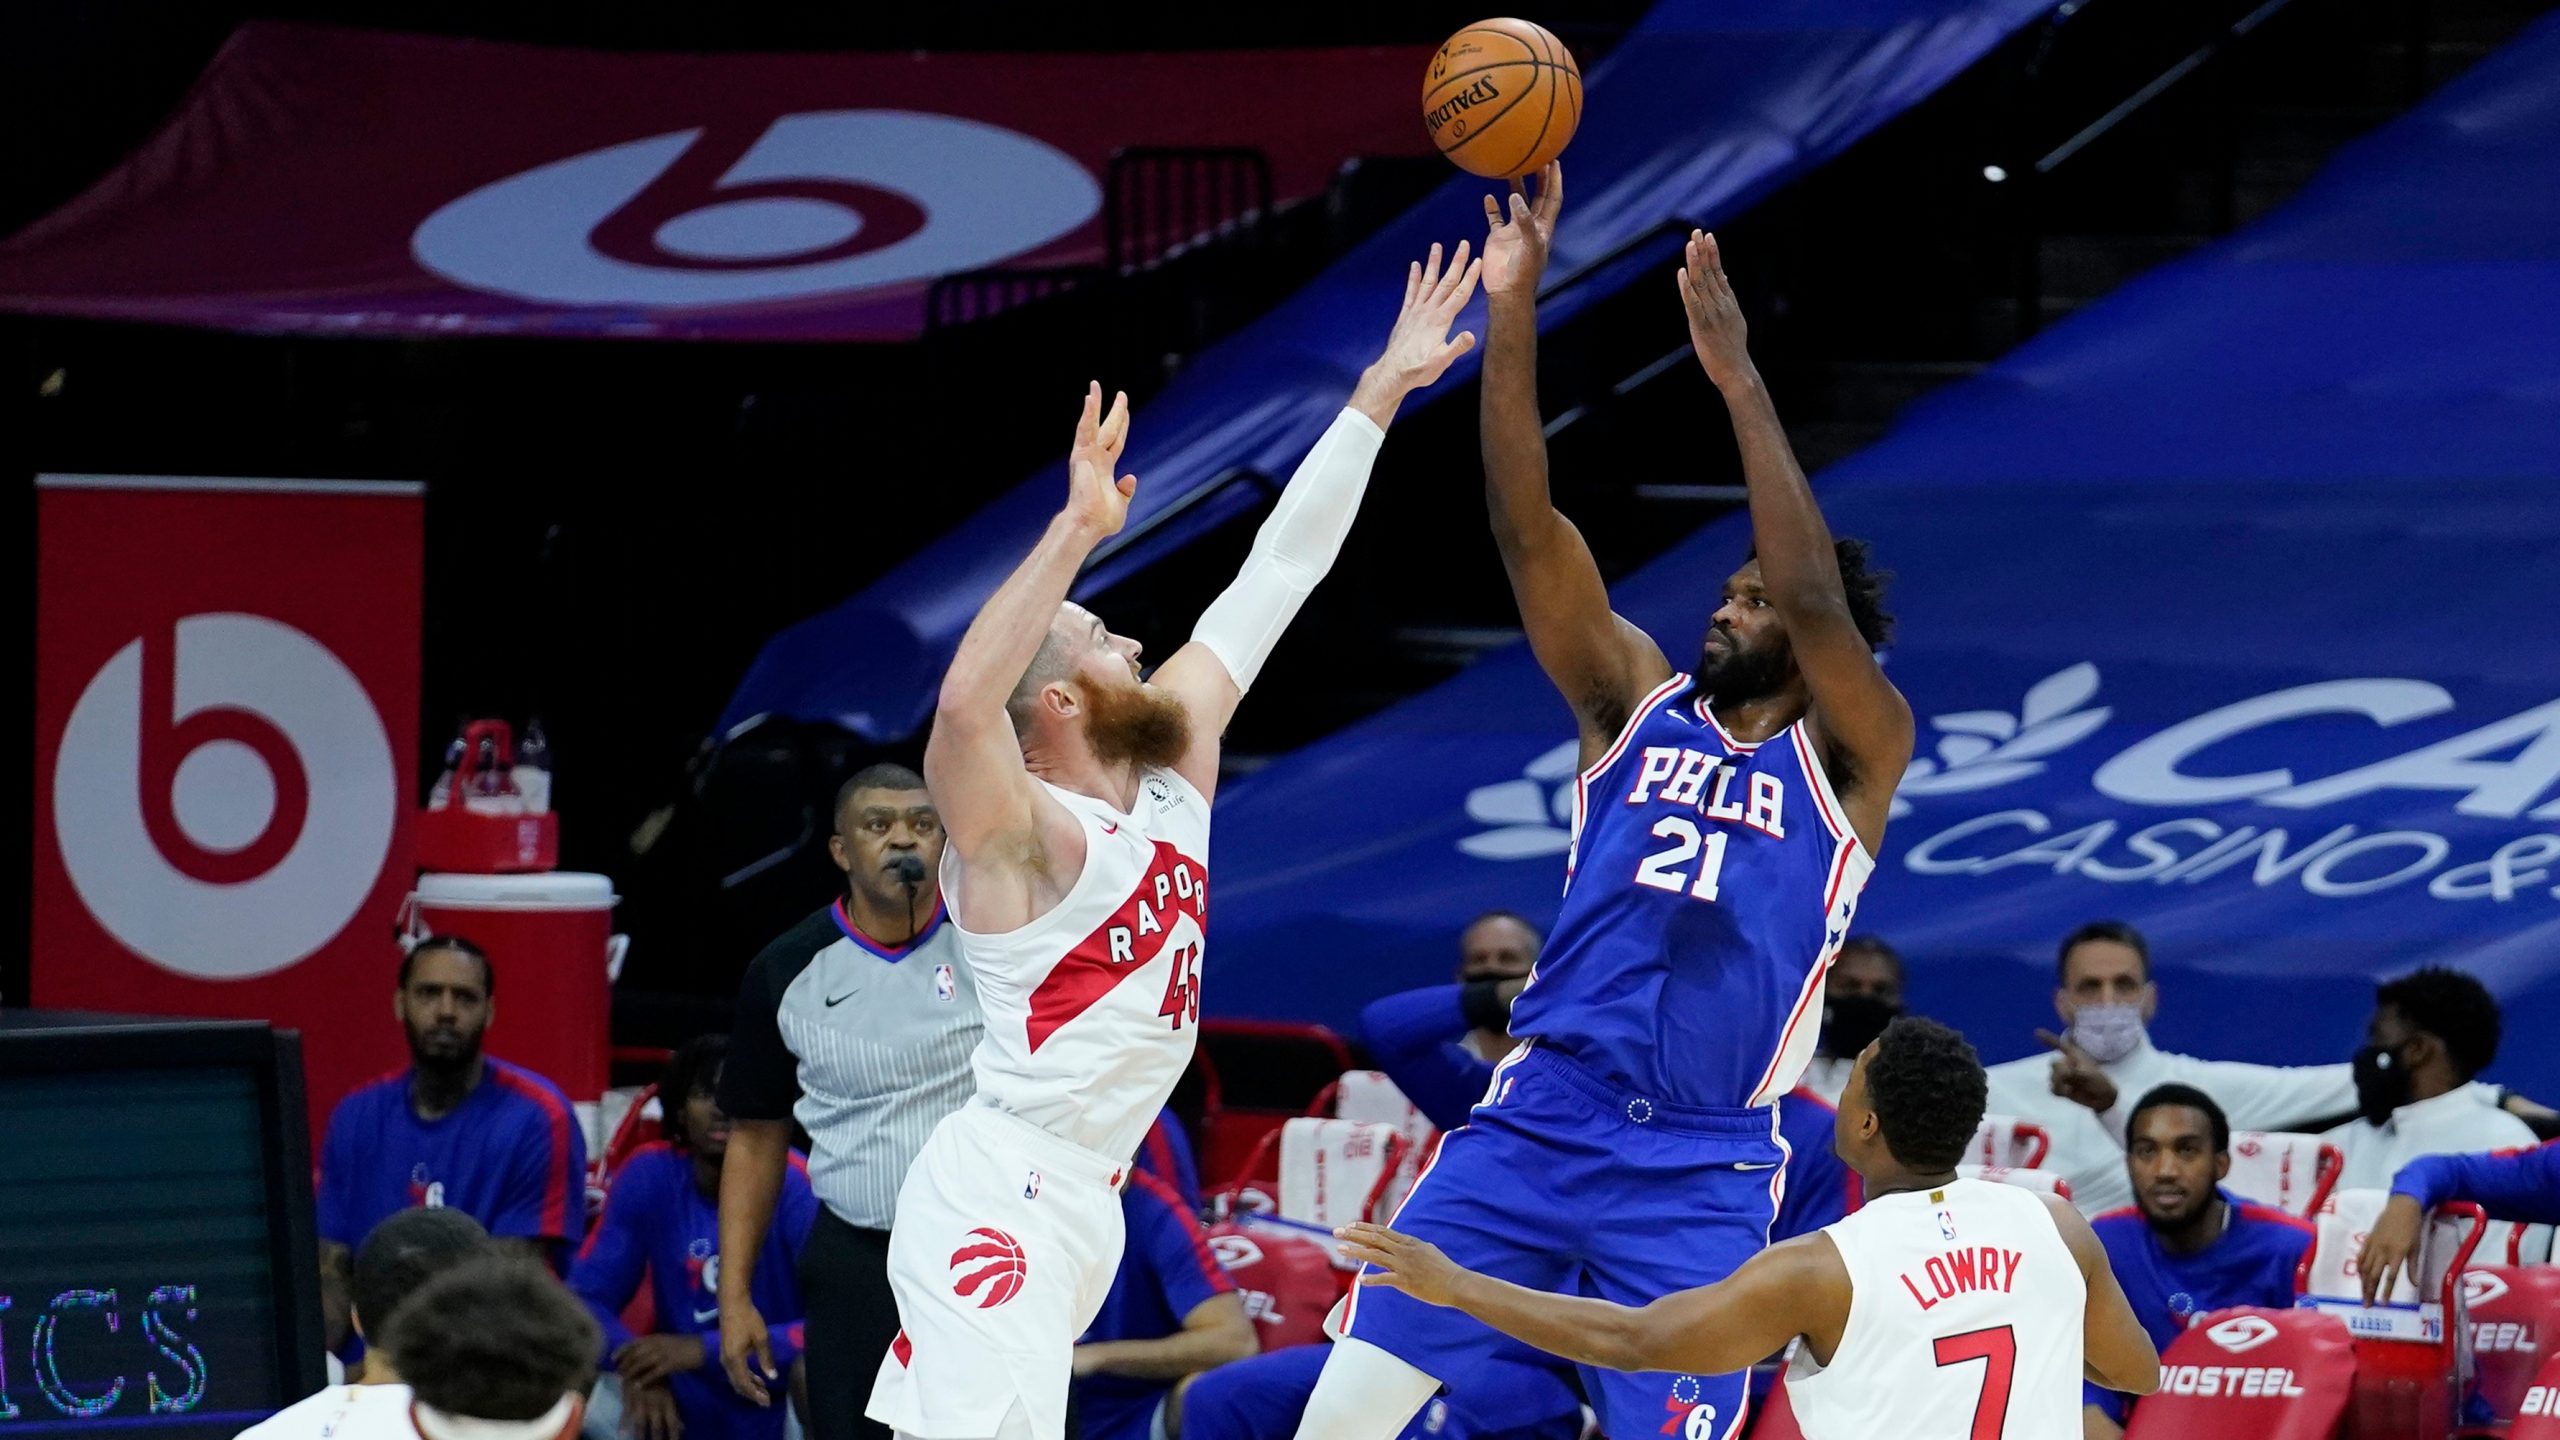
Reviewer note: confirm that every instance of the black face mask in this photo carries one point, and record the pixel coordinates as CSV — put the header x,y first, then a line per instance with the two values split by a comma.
x,y
2382,1082
1851,1023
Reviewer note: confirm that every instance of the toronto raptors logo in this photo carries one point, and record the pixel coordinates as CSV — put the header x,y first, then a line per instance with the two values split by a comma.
x,y
1691,1418
992,1262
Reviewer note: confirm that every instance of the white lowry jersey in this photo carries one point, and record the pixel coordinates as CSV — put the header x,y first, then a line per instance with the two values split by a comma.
x,y
342,1412
1092,1009
1965,1313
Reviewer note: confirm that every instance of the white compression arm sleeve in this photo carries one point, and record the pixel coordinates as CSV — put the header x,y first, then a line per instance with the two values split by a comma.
x,y
1294,548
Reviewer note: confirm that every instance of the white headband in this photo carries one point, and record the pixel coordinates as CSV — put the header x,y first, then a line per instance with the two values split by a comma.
x,y
437,1424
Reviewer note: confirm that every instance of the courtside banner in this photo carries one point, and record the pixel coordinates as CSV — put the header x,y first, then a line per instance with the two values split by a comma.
x,y
226,724
341,181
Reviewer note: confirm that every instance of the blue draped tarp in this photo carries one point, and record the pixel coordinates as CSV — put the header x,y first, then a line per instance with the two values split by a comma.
x,y
1705,106
2230,607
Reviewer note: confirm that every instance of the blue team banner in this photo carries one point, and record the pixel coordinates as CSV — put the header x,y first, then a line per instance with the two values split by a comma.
x,y
2227,609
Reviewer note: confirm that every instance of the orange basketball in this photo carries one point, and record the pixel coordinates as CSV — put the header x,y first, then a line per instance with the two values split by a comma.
x,y
1502,98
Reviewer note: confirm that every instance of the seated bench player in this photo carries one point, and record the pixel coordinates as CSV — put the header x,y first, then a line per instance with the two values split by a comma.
x,y
663,1216
456,1128
2186,1246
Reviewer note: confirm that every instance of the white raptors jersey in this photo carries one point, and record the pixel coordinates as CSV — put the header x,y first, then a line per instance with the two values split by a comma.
x,y
1092,1009
1964,1322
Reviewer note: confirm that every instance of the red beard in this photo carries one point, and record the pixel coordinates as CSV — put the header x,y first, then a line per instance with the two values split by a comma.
x,y
1135,723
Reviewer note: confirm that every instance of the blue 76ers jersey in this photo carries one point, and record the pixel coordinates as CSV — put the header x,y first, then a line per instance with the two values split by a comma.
x,y
1710,884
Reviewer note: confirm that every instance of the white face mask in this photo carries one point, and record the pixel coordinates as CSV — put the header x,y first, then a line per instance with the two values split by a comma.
x,y
2107,1032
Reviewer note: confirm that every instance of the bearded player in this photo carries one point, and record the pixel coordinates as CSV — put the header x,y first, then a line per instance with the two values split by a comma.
x,y
1076,792
1724,821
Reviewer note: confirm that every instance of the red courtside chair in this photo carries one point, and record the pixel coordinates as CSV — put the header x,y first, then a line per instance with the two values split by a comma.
x,y
1268,1072
2514,1315
2538,1417
2251,1374
2412,1349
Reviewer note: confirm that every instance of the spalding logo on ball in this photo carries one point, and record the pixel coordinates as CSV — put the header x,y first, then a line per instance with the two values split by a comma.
x,y
1502,98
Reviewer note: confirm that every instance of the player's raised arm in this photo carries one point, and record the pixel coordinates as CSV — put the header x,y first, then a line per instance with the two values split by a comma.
x,y
1798,1287
1856,710
990,805
1602,663
2116,1351
1298,542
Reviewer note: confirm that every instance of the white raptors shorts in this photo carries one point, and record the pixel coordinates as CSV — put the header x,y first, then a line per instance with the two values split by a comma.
x,y
1005,1245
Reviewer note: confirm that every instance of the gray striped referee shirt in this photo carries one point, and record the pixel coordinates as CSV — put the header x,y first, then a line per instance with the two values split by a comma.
x,y
867,1047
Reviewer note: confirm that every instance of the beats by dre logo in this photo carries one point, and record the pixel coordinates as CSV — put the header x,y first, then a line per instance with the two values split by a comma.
x,y
224,796
817,203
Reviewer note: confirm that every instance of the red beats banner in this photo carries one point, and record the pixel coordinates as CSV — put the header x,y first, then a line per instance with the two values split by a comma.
x,y
226,720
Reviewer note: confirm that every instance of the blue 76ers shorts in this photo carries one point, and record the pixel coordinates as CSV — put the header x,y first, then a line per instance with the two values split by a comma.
x,y
1561,1182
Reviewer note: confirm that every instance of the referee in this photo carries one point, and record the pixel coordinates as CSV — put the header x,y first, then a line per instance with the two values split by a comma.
x,y
858,1023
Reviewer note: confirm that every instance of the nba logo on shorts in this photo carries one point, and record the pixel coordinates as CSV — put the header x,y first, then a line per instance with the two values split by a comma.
x,y
1031,1187
944,985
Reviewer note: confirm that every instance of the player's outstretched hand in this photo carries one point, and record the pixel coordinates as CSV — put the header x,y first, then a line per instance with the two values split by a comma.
x,y
1098,504
2392,1245
1515,248
1401,1262
1420,349
1716,328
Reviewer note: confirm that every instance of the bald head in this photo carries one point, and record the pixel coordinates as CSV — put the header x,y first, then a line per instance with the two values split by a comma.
x,y
1054,661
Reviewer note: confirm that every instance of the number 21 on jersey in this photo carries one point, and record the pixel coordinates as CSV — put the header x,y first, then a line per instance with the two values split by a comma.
x,y
1668,869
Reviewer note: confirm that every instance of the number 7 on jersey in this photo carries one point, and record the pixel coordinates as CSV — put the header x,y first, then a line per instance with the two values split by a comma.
x,y
1997,1349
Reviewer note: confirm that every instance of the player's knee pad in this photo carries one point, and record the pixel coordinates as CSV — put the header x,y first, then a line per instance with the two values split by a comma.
x,y
1364,1394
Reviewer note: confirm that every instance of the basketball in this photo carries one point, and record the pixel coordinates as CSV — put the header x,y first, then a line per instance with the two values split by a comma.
x,y
1502,98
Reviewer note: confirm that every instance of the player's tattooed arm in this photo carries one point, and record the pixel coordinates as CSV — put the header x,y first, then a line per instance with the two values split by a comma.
x,y
1601,662
1795,1288
999,820
1855,708
2116,1351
